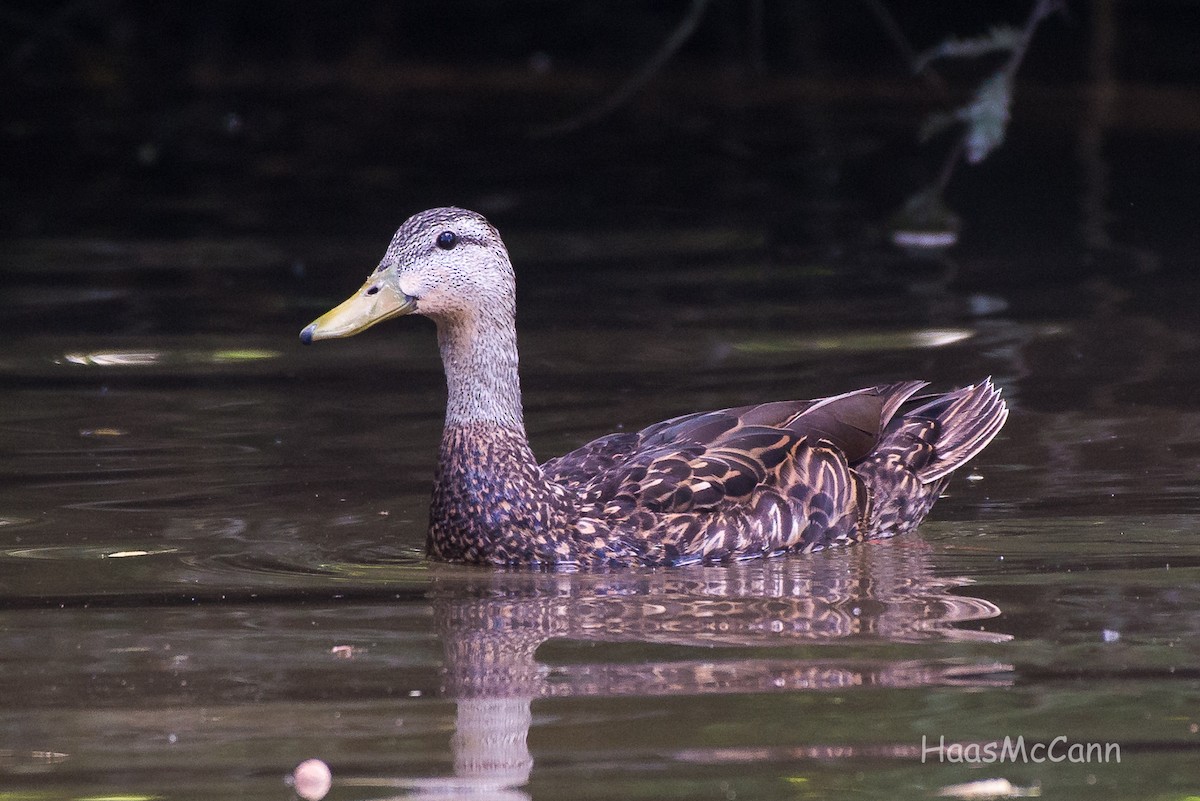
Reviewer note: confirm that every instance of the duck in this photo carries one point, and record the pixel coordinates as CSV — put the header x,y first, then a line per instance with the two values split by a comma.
x,y
711,487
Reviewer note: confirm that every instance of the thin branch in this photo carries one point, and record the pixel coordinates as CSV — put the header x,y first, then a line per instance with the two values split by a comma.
x,y
901,43
947,171
681,34
1041,10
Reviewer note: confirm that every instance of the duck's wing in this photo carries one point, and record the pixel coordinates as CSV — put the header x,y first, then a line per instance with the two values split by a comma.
x,y
587,463
597,457
701,460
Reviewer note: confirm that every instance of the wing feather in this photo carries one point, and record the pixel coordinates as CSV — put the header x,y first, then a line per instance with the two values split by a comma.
x,y
700,461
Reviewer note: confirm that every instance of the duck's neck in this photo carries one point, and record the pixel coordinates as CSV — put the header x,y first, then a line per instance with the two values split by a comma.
x,y
491,501
479,354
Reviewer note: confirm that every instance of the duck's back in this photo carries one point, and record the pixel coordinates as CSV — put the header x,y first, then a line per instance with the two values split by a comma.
x,y
789,475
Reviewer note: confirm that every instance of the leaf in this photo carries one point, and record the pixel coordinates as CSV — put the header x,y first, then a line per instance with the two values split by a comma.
x,y
999,39
987,117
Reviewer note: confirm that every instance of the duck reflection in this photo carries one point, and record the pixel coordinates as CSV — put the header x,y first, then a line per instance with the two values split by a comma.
x,y
492,623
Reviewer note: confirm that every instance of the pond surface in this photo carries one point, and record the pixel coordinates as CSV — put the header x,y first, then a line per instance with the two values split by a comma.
x,y
211,541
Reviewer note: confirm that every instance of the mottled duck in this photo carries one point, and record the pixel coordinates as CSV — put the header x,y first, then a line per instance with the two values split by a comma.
x,y
752,481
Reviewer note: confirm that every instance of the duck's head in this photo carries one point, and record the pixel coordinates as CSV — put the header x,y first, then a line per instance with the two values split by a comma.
x,y
446,264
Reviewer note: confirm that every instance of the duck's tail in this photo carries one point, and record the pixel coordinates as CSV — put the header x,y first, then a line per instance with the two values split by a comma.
x,y
919,450
967,420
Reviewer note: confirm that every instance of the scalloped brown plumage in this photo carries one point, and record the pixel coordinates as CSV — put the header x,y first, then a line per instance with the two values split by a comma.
x,y
714,486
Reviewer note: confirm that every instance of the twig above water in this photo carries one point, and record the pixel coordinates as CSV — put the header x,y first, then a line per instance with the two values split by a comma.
x,y
687,26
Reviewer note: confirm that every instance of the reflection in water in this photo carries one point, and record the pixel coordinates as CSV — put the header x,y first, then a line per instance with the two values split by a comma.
x,y
492,623
177,358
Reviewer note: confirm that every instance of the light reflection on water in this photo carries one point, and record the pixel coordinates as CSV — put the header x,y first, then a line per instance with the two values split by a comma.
x,y
146,358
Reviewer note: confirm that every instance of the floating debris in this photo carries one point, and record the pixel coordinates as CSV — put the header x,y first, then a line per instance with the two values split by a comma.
x,y
924,223
311,779
125,358
102,432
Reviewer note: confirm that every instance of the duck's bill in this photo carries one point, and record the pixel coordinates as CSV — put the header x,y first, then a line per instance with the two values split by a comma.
x,y
375,302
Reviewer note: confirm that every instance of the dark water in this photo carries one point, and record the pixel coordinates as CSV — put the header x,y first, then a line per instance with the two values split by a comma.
x,y
211,540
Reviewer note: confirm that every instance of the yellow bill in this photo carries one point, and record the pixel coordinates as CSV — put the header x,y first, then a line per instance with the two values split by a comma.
x,y
375,302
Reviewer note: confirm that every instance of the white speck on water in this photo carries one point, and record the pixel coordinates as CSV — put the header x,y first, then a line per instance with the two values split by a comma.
x,y
311,779
1109,635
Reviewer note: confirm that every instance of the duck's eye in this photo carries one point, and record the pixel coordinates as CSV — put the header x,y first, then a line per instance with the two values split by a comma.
x,y
447,239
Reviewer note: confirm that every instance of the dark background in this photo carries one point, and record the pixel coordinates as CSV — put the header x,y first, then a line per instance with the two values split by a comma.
x,y
167,121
